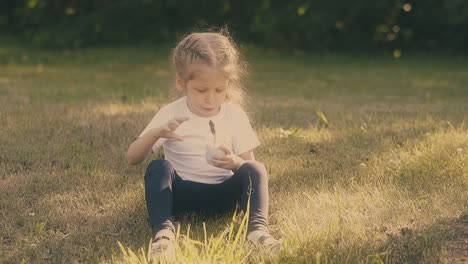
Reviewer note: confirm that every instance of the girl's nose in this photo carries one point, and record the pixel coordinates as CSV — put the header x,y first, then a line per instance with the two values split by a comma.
x,y
209,98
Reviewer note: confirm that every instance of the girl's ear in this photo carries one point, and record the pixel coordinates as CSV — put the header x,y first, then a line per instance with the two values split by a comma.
x,y
180,83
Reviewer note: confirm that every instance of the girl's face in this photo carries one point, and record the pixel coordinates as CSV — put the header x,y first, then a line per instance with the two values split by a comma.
x,y
206,91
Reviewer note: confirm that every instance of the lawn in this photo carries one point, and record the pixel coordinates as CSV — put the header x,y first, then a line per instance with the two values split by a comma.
x,y
367,156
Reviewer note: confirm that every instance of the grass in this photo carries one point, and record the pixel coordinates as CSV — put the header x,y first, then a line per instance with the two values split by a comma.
x,y
367,156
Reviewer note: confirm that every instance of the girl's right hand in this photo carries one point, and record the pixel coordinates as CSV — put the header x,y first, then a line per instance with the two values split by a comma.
x,y
167,130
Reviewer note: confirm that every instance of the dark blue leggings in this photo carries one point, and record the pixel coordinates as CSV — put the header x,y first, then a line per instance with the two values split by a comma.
x,y
167,193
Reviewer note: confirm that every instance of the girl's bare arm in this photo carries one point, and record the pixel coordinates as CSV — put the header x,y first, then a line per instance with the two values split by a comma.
x,y
141,147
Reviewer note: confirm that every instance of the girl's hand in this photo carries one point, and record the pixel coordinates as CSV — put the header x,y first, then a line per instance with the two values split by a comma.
x,y
230,161
167,130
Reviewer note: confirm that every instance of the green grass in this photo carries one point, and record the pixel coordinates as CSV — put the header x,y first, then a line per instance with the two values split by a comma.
x,y
381,182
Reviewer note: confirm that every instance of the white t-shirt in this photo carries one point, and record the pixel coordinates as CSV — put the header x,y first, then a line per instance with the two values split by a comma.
x,y
189,156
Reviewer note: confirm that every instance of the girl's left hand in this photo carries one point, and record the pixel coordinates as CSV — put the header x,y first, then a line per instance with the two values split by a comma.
x,y
230,161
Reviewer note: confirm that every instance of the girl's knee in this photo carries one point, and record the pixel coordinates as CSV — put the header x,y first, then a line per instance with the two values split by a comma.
x,y
160,163
159,168
255,169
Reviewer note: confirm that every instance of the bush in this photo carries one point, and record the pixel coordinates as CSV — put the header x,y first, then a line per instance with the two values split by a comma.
x,y
299,24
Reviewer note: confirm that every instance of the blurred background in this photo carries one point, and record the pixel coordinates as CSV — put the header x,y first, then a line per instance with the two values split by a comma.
x,y
390,26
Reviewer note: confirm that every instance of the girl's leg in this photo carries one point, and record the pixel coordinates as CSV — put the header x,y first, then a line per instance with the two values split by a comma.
x,y
254,179
163,188
206,200
166,194
252,176
159,179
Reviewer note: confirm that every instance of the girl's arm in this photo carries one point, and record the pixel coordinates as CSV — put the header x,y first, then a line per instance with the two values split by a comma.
x,y
141,147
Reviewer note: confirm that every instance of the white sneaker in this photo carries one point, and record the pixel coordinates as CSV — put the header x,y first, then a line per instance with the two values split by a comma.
x,y
163,245
262,238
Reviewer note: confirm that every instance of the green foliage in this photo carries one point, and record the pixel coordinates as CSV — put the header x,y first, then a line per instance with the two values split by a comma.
x,y
298,24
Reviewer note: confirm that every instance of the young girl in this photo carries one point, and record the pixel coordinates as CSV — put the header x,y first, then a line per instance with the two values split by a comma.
x,y
208,142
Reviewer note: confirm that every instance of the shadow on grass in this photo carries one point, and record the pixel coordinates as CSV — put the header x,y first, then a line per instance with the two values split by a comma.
x,y
338,161
424,244
404,245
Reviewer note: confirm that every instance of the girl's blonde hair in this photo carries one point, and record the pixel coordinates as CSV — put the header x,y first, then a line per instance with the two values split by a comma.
x,y
216,49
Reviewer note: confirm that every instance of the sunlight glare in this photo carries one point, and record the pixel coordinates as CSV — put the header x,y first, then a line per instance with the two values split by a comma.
x,y
114,109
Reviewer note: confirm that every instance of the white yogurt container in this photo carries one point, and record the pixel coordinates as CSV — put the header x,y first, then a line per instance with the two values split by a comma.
x,y
213,152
